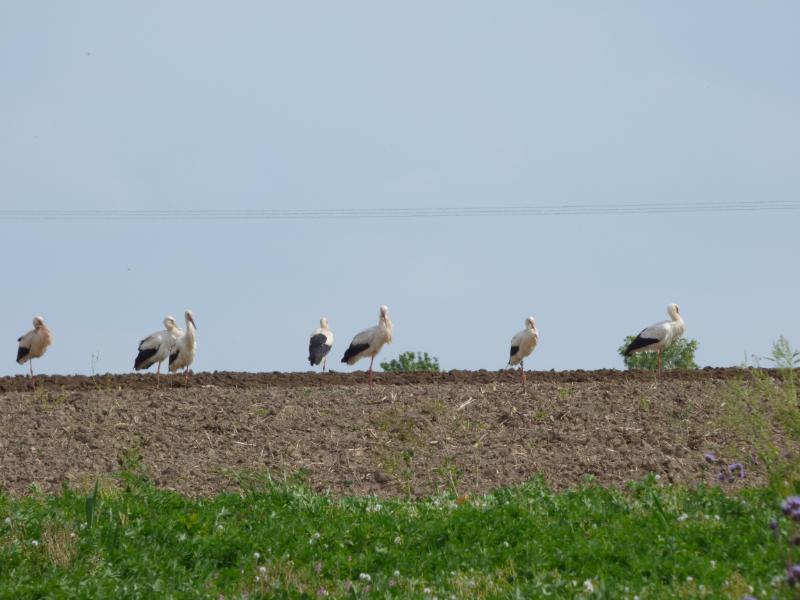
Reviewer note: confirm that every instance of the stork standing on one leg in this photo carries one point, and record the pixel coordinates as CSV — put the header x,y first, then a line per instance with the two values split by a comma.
x,y
370,341
34,344
156,347
657,337
522,344
183,351
320,344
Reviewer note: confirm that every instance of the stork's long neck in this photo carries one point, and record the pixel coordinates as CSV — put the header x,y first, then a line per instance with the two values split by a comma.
x,y
190,331
386,325
677,320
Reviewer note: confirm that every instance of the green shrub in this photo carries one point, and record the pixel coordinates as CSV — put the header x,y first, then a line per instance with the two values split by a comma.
x,y
412,361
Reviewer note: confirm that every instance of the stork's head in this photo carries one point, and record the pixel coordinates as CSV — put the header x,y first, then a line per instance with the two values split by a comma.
x,y
38,322
169,322
190,318
384,312
323,322
673,311
530,323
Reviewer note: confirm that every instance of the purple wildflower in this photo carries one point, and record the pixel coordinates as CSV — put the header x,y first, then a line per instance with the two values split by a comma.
x,y
791,504
748,597
773,524
793,574
737,467
722,476
791,507
710,457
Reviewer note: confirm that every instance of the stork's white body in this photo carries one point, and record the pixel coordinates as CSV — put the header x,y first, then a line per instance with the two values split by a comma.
x,y
183,351
34,343
162,342
525,341
156,347
660,335
370,341
523,344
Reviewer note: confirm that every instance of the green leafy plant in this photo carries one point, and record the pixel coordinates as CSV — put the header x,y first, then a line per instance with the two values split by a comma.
x,y
678,355
783,355
412,361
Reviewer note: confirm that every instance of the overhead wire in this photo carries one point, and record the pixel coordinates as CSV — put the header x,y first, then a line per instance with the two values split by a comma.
x,y
256,214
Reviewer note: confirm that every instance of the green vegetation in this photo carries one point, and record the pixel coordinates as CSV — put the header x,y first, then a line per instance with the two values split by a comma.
x,y
783,355
678,355
279,540
412,361
759,408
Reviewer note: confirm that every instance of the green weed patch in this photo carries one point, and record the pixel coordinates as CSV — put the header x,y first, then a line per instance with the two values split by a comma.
x,y
279,540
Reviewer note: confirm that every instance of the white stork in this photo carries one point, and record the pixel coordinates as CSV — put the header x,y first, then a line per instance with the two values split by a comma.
x,y
183,351
370,341
522,344
320,344
34,344
156,347
657,337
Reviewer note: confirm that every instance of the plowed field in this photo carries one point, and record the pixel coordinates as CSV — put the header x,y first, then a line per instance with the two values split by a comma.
x,y
413,433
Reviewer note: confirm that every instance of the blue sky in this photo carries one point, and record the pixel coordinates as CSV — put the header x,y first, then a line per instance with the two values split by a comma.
x,y
200,105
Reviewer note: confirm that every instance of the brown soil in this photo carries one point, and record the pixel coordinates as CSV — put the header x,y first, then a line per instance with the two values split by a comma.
x,y
413,433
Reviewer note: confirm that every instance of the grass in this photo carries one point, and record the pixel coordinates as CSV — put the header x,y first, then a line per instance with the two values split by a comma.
x,y
279,540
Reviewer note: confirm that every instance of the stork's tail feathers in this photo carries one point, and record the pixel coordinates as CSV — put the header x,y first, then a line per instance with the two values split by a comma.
x,y
352,351
638,344
143,359
317,349
22,352
316,354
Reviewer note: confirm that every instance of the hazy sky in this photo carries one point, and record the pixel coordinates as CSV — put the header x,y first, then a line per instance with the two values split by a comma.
x,y
201,105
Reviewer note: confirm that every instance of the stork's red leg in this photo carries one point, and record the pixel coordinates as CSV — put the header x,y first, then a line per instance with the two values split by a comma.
x,y
158,374
324,363
370,370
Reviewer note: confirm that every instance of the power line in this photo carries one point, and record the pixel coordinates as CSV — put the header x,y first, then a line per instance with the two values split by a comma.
x,y
392,213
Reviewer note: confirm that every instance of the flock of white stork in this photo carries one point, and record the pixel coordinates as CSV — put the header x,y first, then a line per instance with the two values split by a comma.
x,y
179,346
